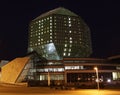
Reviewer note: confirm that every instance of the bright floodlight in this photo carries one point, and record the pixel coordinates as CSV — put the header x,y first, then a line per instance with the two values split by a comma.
x,y
109,80
95,68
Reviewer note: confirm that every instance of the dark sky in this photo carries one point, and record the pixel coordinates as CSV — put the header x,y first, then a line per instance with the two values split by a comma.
x,y
102,16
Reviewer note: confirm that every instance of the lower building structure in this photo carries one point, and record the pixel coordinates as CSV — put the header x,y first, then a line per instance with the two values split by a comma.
x,y
73,71
69,71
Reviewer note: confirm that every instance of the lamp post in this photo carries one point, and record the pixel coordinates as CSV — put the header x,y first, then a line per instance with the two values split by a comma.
x,y
48,78
96,70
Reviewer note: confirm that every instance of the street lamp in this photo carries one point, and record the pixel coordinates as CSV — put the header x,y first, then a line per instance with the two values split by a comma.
x,y
48,78
96,70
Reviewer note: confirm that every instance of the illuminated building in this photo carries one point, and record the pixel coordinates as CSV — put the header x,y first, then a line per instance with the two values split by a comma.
x,y
59,33
67,71
59,47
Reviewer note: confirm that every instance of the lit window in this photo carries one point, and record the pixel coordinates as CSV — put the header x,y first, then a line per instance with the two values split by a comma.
x,y
50,63
70,31
69,18
64,54
50,26
65,49
65,45
60,69
50,23
68,54
70,41
81,67
69,25
70,38
69,22
69,50
50,33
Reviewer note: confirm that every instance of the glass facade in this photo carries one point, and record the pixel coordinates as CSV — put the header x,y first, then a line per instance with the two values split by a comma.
x,y
56,35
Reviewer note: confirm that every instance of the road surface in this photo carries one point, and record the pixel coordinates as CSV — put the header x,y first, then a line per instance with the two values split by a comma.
x,y
48,91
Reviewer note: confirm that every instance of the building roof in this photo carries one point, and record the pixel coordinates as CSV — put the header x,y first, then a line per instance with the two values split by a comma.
x,y
114,57
59,10
94,59
12,70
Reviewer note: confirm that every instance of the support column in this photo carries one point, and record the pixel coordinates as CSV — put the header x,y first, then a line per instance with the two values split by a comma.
x,y
65,77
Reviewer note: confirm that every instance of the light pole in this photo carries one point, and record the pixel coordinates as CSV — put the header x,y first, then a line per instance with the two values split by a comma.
x,y
96,70
48,78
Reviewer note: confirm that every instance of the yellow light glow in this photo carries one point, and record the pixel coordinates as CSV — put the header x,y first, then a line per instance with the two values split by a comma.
x,y
95,68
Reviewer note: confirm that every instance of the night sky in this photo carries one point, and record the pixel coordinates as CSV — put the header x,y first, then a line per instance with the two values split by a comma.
x,y
102,16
